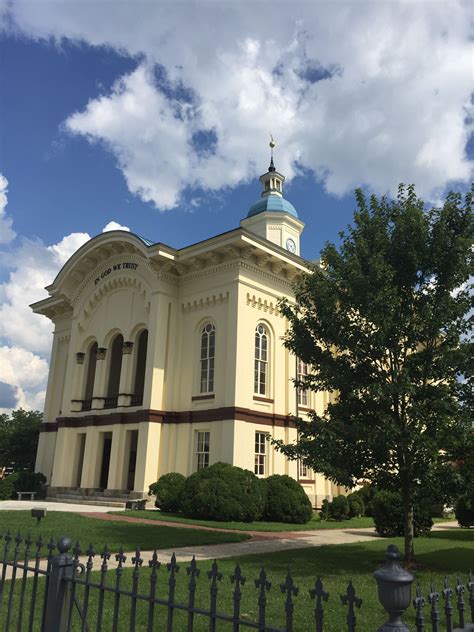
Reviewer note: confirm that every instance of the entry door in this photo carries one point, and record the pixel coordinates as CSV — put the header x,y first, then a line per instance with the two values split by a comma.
x,y
104,472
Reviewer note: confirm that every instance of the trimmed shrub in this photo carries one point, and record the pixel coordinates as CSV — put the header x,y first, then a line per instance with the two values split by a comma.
x,y
356,505
286,500
464,511
387,509
366,493
223,492
168,490
339,508
24,481
324,513
6,488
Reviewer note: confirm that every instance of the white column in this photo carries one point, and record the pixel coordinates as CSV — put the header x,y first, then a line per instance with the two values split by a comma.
x,y
156,356
92,454
126,374
148,450
100,381
117,458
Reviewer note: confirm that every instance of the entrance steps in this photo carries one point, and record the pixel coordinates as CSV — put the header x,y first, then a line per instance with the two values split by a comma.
x,y
75,499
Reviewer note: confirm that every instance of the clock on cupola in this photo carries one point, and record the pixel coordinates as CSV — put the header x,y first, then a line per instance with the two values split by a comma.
x,y
272,217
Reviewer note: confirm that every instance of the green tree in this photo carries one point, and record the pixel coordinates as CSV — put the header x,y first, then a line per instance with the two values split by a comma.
x,y
19,433
384,323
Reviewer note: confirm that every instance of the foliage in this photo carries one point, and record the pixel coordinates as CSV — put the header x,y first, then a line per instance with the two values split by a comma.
x,y
7,488
464,510
366,493
286,500
223,492
384,323
356,505
25,481
324,513
339,508
387,508
19,433
168,490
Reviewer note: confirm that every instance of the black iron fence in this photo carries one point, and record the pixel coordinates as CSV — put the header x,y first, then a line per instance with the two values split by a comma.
x,y
44,591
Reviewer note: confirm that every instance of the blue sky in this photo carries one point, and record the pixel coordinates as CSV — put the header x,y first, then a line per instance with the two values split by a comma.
x,y
156,116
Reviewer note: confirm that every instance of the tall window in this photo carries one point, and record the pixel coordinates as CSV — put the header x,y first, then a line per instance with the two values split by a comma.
x,y
202,450
260,453
208,353
260,379
115,369
138,386
90,377
302,371
304,471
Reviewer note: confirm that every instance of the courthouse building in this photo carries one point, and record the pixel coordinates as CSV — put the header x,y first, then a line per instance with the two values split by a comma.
x,y
169,360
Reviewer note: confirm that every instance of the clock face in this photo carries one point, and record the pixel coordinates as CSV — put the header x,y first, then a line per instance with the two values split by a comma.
x,y
290,245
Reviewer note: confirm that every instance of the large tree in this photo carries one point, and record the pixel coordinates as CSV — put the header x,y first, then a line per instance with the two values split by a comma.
x,y
384,322
19,433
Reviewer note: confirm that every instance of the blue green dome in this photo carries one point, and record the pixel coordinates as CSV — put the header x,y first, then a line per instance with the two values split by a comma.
x,y
273,203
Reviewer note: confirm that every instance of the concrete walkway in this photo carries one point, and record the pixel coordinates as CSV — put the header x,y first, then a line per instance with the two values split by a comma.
x,y
26,505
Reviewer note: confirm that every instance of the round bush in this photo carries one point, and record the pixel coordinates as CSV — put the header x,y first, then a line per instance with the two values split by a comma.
x,y
168,490
356,505
223,492
464,511
387,510
286,500
339,508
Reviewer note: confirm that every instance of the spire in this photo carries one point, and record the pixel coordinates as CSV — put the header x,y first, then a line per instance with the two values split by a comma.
x,y
272,181
272,144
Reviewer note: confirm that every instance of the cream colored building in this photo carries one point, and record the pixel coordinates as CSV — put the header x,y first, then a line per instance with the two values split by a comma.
x,y
170,360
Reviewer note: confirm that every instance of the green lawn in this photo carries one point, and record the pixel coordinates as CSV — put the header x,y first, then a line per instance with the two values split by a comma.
x,y
112,533
314,524
444,552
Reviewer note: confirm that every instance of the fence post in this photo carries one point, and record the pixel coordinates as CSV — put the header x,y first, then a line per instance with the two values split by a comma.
x,y
59,590
394,586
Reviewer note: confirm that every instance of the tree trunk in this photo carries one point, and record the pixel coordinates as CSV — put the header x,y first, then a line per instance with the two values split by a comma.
x,y
409,555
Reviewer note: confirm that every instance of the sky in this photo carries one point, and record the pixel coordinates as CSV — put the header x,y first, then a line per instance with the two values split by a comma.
x,y
155,117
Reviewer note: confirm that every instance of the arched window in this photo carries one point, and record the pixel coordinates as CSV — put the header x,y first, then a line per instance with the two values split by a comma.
x,y
139,382
302,372
115,368
260,380
91,363
208,354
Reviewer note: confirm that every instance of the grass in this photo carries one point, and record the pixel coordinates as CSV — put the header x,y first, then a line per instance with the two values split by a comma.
x,y
314,524
114,534
444,552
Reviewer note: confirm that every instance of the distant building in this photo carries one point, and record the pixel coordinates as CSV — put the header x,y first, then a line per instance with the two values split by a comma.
x,y
170,360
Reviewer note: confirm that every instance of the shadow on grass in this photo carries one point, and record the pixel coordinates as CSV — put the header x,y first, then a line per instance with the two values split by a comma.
x,y
460,535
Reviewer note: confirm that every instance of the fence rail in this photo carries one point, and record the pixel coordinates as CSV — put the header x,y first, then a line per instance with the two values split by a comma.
x,y
47,592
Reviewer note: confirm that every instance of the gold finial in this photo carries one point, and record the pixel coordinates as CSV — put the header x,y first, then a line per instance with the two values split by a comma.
x,y
272,141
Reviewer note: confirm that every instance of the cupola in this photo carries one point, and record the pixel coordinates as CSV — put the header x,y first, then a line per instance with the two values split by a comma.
x,y
272,216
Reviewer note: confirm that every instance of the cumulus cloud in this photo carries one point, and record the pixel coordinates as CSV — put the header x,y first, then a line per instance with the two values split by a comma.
x,y
25,337
356,93
26,375
7,233
114,226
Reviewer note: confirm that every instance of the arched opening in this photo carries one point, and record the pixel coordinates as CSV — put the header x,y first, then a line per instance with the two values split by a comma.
x,y
139,382
115,368
90,377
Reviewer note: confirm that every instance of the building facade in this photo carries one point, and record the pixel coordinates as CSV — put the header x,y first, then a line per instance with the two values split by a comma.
x,y
170,360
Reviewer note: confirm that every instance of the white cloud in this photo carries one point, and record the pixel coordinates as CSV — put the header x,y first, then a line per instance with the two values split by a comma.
x,y
27,373
114,226
394,104
7,233
25,337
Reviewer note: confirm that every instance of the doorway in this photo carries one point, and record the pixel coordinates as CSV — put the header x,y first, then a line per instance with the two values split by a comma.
x,y
81,446
104,470
132,461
